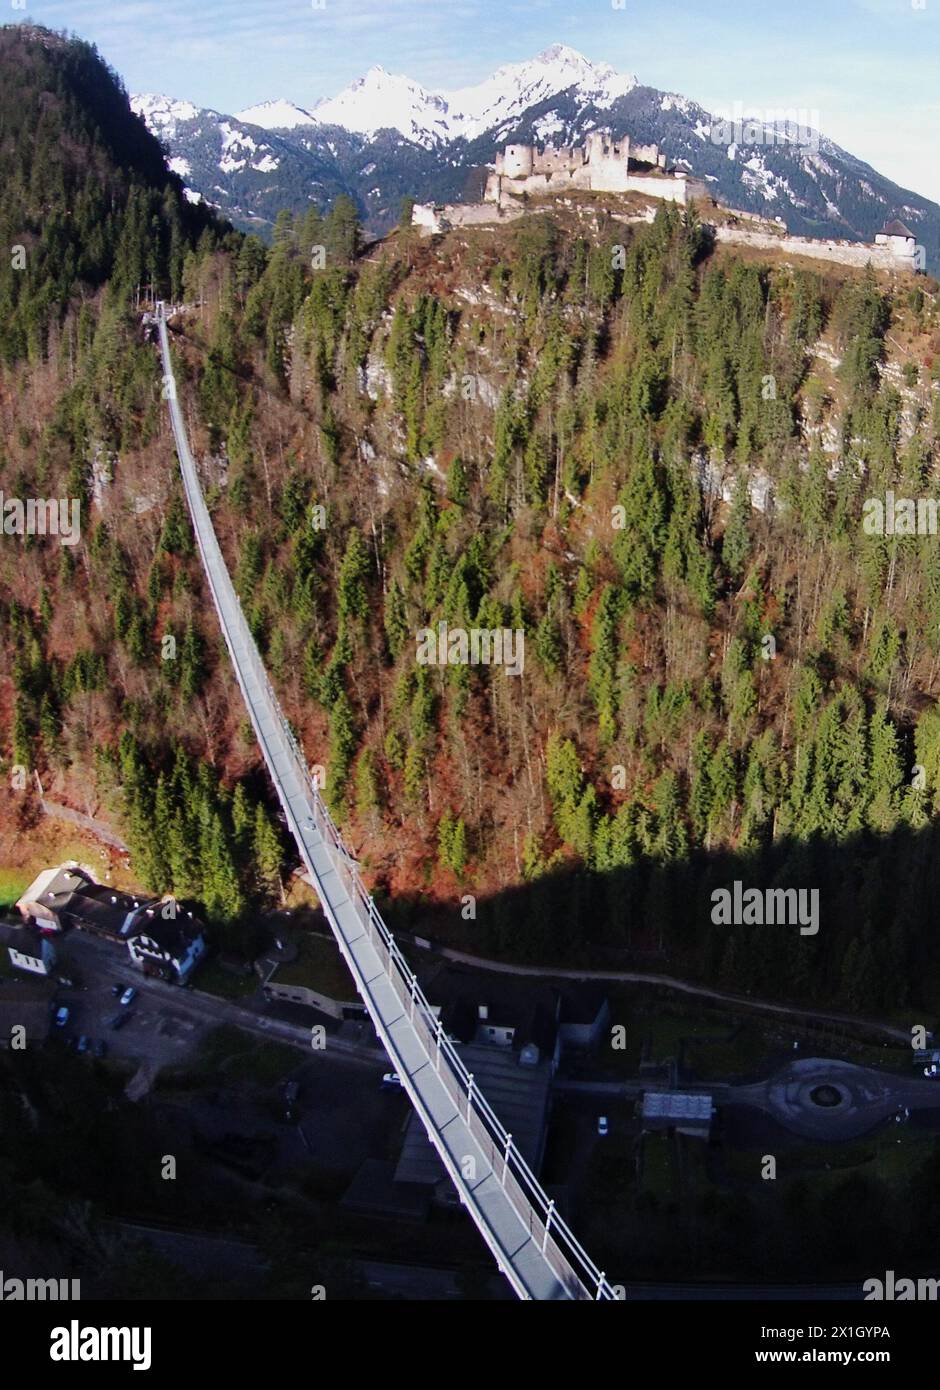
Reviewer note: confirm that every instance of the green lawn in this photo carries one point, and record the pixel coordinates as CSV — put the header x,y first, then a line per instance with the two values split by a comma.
x,y
659,1166
318,966
880,1156
720,1058
211,978
12,883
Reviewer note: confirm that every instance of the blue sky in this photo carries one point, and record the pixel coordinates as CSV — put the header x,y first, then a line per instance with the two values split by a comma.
x,y
869,67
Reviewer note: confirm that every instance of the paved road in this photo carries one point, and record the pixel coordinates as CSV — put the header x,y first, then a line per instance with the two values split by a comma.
x,y
827,1100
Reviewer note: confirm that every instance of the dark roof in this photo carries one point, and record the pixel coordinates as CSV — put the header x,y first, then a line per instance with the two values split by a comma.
x,y
519,1096
896,228
25,939
26,1004
95,905
173,935
511,1002
459,1017
581,1002
538,1026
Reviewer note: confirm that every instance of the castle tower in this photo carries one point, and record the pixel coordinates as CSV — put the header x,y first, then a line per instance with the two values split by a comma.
x,y
594,146
600,147
517,162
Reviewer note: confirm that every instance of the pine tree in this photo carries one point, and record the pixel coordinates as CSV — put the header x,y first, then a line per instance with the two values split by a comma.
x,y
368,800
736,543
267,854
342,232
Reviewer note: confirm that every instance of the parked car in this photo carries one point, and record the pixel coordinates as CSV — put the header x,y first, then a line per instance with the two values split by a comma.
x,y
118,1021
82,1044
602,1126
62,1016
391,1081
129,995
117,989
101,1047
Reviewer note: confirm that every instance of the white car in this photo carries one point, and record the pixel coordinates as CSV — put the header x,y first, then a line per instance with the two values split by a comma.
x,y
129,995
390,1080
602,1126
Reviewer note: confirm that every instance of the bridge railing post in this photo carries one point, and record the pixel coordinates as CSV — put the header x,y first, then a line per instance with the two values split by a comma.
x,y
548,1222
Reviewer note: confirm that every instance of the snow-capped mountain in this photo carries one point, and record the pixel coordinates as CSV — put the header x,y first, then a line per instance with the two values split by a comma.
x,y
514,88
276,115
386,136
163,115
388,101
384,101
244,170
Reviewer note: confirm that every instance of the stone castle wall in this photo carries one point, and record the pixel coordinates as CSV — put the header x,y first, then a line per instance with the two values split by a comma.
x,y
674,190
432,220
842,252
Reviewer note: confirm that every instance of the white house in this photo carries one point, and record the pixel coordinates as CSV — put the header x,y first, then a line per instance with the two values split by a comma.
x,y
166,942
28,949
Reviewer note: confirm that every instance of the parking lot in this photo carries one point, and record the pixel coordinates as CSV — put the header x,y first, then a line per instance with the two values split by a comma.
x,y
155,1029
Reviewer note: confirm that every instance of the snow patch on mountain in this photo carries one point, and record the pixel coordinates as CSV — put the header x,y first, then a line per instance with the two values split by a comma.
x,y
547,127
383,100
163,114
516,86
276,115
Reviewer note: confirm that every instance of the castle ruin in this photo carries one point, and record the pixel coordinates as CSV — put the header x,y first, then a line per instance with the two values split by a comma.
x,y
600,165
605,165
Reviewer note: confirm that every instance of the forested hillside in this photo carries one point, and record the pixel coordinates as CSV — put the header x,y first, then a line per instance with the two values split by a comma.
x,y
525,427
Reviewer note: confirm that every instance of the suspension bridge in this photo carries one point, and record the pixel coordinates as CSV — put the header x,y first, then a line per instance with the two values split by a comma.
x,y
533,1247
